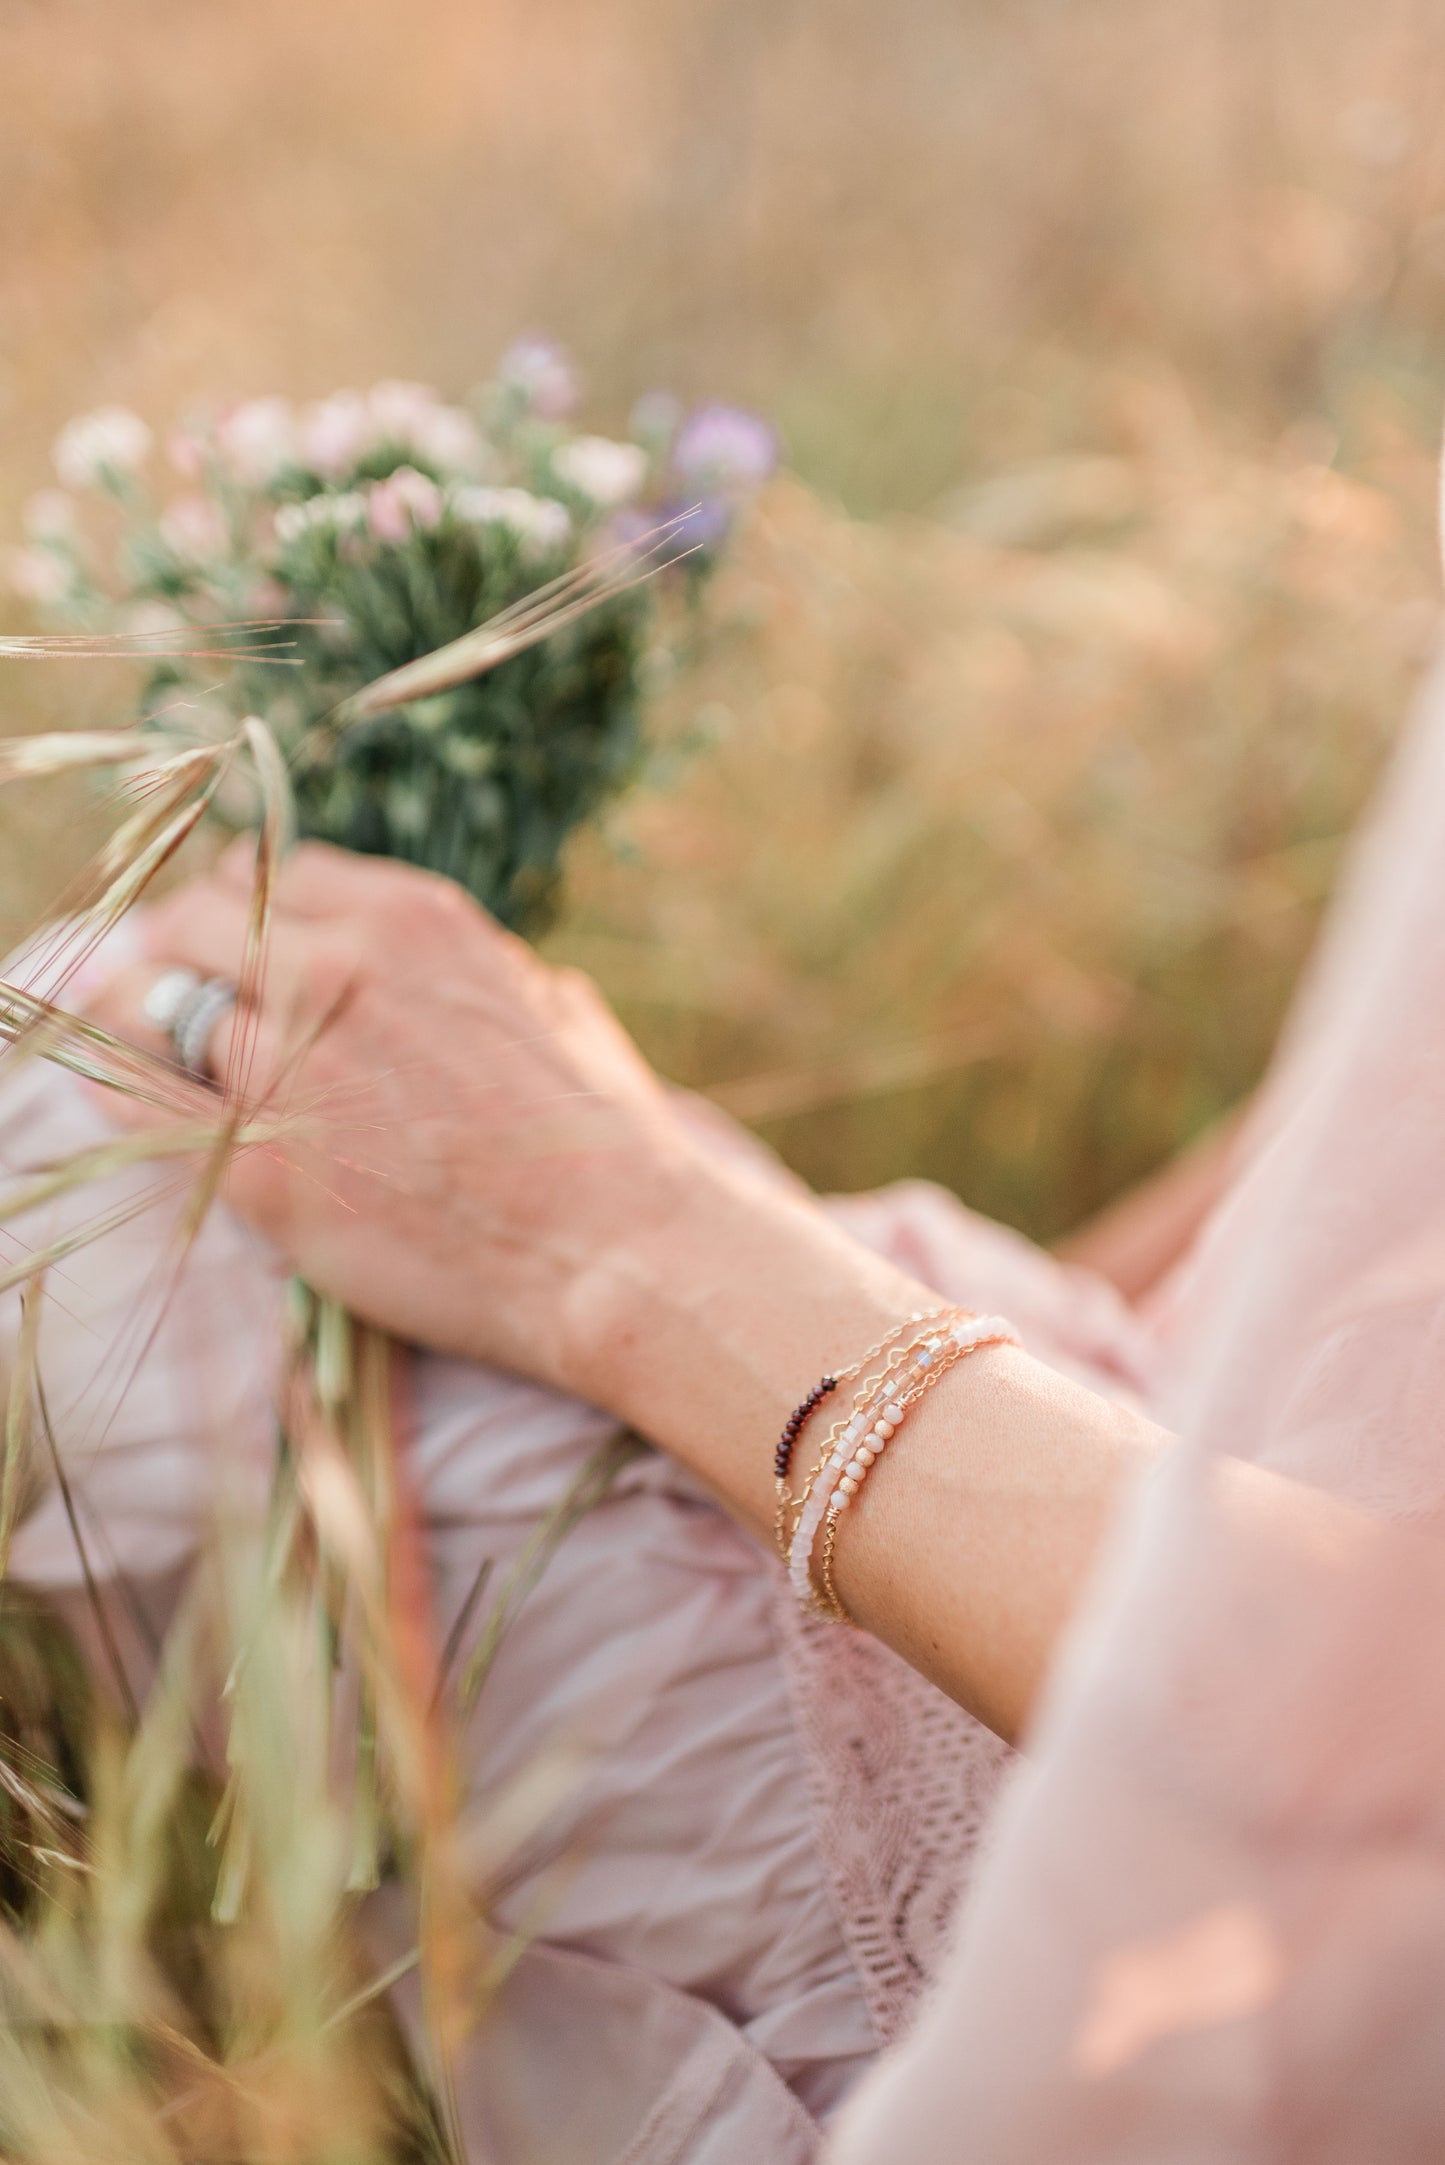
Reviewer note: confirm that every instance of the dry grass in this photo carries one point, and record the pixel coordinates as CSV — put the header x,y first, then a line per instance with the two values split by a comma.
x,y
1002,859
1018,830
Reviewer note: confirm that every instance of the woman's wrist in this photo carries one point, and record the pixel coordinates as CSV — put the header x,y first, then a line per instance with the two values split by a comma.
x,y
706,1321
705,1326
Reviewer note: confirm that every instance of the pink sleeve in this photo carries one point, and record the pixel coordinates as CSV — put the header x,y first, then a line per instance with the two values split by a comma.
x,y
1211,1927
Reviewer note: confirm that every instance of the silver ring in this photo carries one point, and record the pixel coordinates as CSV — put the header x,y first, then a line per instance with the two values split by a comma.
x,y
167,996
187,1007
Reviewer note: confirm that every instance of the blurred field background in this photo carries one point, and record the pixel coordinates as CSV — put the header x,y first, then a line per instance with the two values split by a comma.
x,y
1107,341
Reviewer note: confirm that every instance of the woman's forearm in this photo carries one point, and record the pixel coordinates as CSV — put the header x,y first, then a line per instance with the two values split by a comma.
x,y
971,1542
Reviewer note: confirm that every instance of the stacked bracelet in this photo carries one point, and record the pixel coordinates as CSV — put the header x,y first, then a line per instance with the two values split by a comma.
x,y
920,1323
855,1443
874,1374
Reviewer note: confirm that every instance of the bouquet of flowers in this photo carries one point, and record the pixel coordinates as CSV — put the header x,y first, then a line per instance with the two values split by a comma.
x,y
370,530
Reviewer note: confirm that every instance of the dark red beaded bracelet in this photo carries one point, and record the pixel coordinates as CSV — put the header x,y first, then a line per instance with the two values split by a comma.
x,y
797,1421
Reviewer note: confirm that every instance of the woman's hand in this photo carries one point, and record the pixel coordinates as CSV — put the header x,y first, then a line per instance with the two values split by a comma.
x,y
470,1130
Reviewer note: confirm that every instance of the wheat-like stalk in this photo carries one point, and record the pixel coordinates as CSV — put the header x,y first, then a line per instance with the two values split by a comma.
x,y
512,631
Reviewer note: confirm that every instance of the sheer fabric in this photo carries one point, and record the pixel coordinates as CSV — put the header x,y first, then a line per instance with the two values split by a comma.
x,y
1212,1922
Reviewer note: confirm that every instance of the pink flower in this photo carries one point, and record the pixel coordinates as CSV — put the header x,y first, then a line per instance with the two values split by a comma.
x,y
543,372
386,515
188,447
334,434
194,527
405,502
97,447
267,599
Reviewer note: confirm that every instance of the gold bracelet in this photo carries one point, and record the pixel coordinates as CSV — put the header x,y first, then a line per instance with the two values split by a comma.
x,y
920,1323
941,1354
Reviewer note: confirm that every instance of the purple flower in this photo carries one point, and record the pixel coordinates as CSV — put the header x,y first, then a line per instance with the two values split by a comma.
x,y
676,529
726,448
543,372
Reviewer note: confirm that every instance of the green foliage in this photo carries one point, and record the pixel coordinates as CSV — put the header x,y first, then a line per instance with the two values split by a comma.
x,y
485,782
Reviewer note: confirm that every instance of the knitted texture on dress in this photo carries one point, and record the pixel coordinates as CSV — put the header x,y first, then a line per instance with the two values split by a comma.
x,y
902,1784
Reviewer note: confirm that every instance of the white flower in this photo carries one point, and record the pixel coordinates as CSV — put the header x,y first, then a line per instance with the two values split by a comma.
x,y
154,620
334,433
50,516
609,473
447,437
402,503
98,446
342,513
540,522
37,575
194,527
292,521
257,439
396,409
412,417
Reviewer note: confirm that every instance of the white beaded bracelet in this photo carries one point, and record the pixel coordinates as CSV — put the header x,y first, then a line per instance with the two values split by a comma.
x,y
847,1429
864,1437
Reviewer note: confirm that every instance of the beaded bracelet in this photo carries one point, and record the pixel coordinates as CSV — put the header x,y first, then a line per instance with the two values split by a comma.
x,y
864,1437
894,1353
797,1421
799,1418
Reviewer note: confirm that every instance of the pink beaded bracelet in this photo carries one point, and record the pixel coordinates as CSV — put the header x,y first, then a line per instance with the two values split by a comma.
x,y
889,1349
885,1363
856,1444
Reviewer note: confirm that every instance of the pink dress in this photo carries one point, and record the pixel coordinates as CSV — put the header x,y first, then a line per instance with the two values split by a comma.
x,y
778,1816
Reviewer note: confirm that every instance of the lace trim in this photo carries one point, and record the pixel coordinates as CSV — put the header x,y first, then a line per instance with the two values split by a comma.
x,y
902,1783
